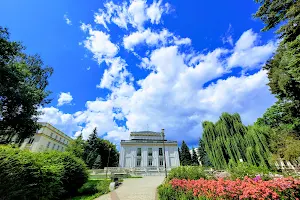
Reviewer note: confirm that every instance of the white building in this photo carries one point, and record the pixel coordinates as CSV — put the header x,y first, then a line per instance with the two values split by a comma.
x,y
47,138
145,149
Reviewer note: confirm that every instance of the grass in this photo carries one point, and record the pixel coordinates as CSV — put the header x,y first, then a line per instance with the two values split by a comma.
x,y
93,189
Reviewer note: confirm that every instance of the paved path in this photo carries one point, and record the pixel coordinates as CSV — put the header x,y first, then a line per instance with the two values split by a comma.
x,y
135,189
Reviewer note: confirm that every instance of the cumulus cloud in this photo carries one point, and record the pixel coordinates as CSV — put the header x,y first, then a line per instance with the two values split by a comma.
x,y
99,44
181,87
64,98
152,38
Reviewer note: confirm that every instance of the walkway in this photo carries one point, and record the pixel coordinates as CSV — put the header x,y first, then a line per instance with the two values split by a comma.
x,y
135,189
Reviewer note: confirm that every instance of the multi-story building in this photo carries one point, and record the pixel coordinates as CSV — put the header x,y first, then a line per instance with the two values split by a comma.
x,y
145,149
47,138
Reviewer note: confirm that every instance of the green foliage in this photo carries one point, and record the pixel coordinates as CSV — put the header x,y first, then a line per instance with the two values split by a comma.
x,y
186,158
187,172
283,68
243,169
77,146
95,146
74,173
166,192
23,82
194,157
97,164
93,189
228,139
27,175
203,157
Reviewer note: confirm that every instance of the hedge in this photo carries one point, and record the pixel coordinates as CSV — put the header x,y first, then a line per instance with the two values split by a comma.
x,y
187,172
50,175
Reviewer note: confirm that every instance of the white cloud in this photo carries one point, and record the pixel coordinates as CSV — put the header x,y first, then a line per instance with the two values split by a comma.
x,y
136,13
64,98
227,38
68,21
153,39
247,55
155,11
100,45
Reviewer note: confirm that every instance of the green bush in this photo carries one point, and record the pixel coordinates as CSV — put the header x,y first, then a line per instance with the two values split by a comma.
x,y
166,192
74,173
244,169
92,187
26,175
187,172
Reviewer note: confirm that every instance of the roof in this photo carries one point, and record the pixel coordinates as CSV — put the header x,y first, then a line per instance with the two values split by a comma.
x,y
52,127
145,133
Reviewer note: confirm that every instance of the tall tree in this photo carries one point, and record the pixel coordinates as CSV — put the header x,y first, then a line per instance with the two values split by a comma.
x,y
90,152
284,67
97,164
229,140
186,158
23,82
77,147
195,160
203,157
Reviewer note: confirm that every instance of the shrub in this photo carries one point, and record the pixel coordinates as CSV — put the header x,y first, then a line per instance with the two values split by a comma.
x,y
187,172
24,176
95,186
243,169
27,175
74,173
281,188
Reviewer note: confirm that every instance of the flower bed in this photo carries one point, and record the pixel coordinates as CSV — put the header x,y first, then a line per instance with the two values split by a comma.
x,y
280,188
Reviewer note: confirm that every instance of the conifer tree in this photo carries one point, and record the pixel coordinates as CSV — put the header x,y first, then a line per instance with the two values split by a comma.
x,y
186,158
97,164
179,155
195,160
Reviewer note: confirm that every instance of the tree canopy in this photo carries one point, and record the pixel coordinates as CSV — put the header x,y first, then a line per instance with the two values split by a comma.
x,y
229,141
185,155
194,157
23,82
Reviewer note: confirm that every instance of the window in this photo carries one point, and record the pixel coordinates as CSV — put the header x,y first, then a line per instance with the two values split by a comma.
x,y
161,162
138,162
62,148
160,152
139,152
48,145
150,152
57,147
150,162
59,139
53,146
51,135
56,137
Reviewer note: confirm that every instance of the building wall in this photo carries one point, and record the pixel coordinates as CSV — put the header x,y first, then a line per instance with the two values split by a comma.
x,y
128,155
47,138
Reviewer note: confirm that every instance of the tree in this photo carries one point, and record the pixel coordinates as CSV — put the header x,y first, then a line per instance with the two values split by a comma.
x,y
284,67
186,158
179,155
23,82
229,140
96,146
90,151
203,158
97,164
195,160
77,146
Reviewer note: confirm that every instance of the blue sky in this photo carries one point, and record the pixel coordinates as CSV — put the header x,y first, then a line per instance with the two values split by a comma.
x,y
126,66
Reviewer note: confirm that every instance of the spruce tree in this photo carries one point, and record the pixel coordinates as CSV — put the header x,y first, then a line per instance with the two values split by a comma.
x,y
179,155
186,158
97,164
195,160
203,157
91,149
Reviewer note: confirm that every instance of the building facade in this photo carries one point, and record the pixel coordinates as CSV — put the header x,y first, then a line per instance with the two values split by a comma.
x,y
47,138
145,149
